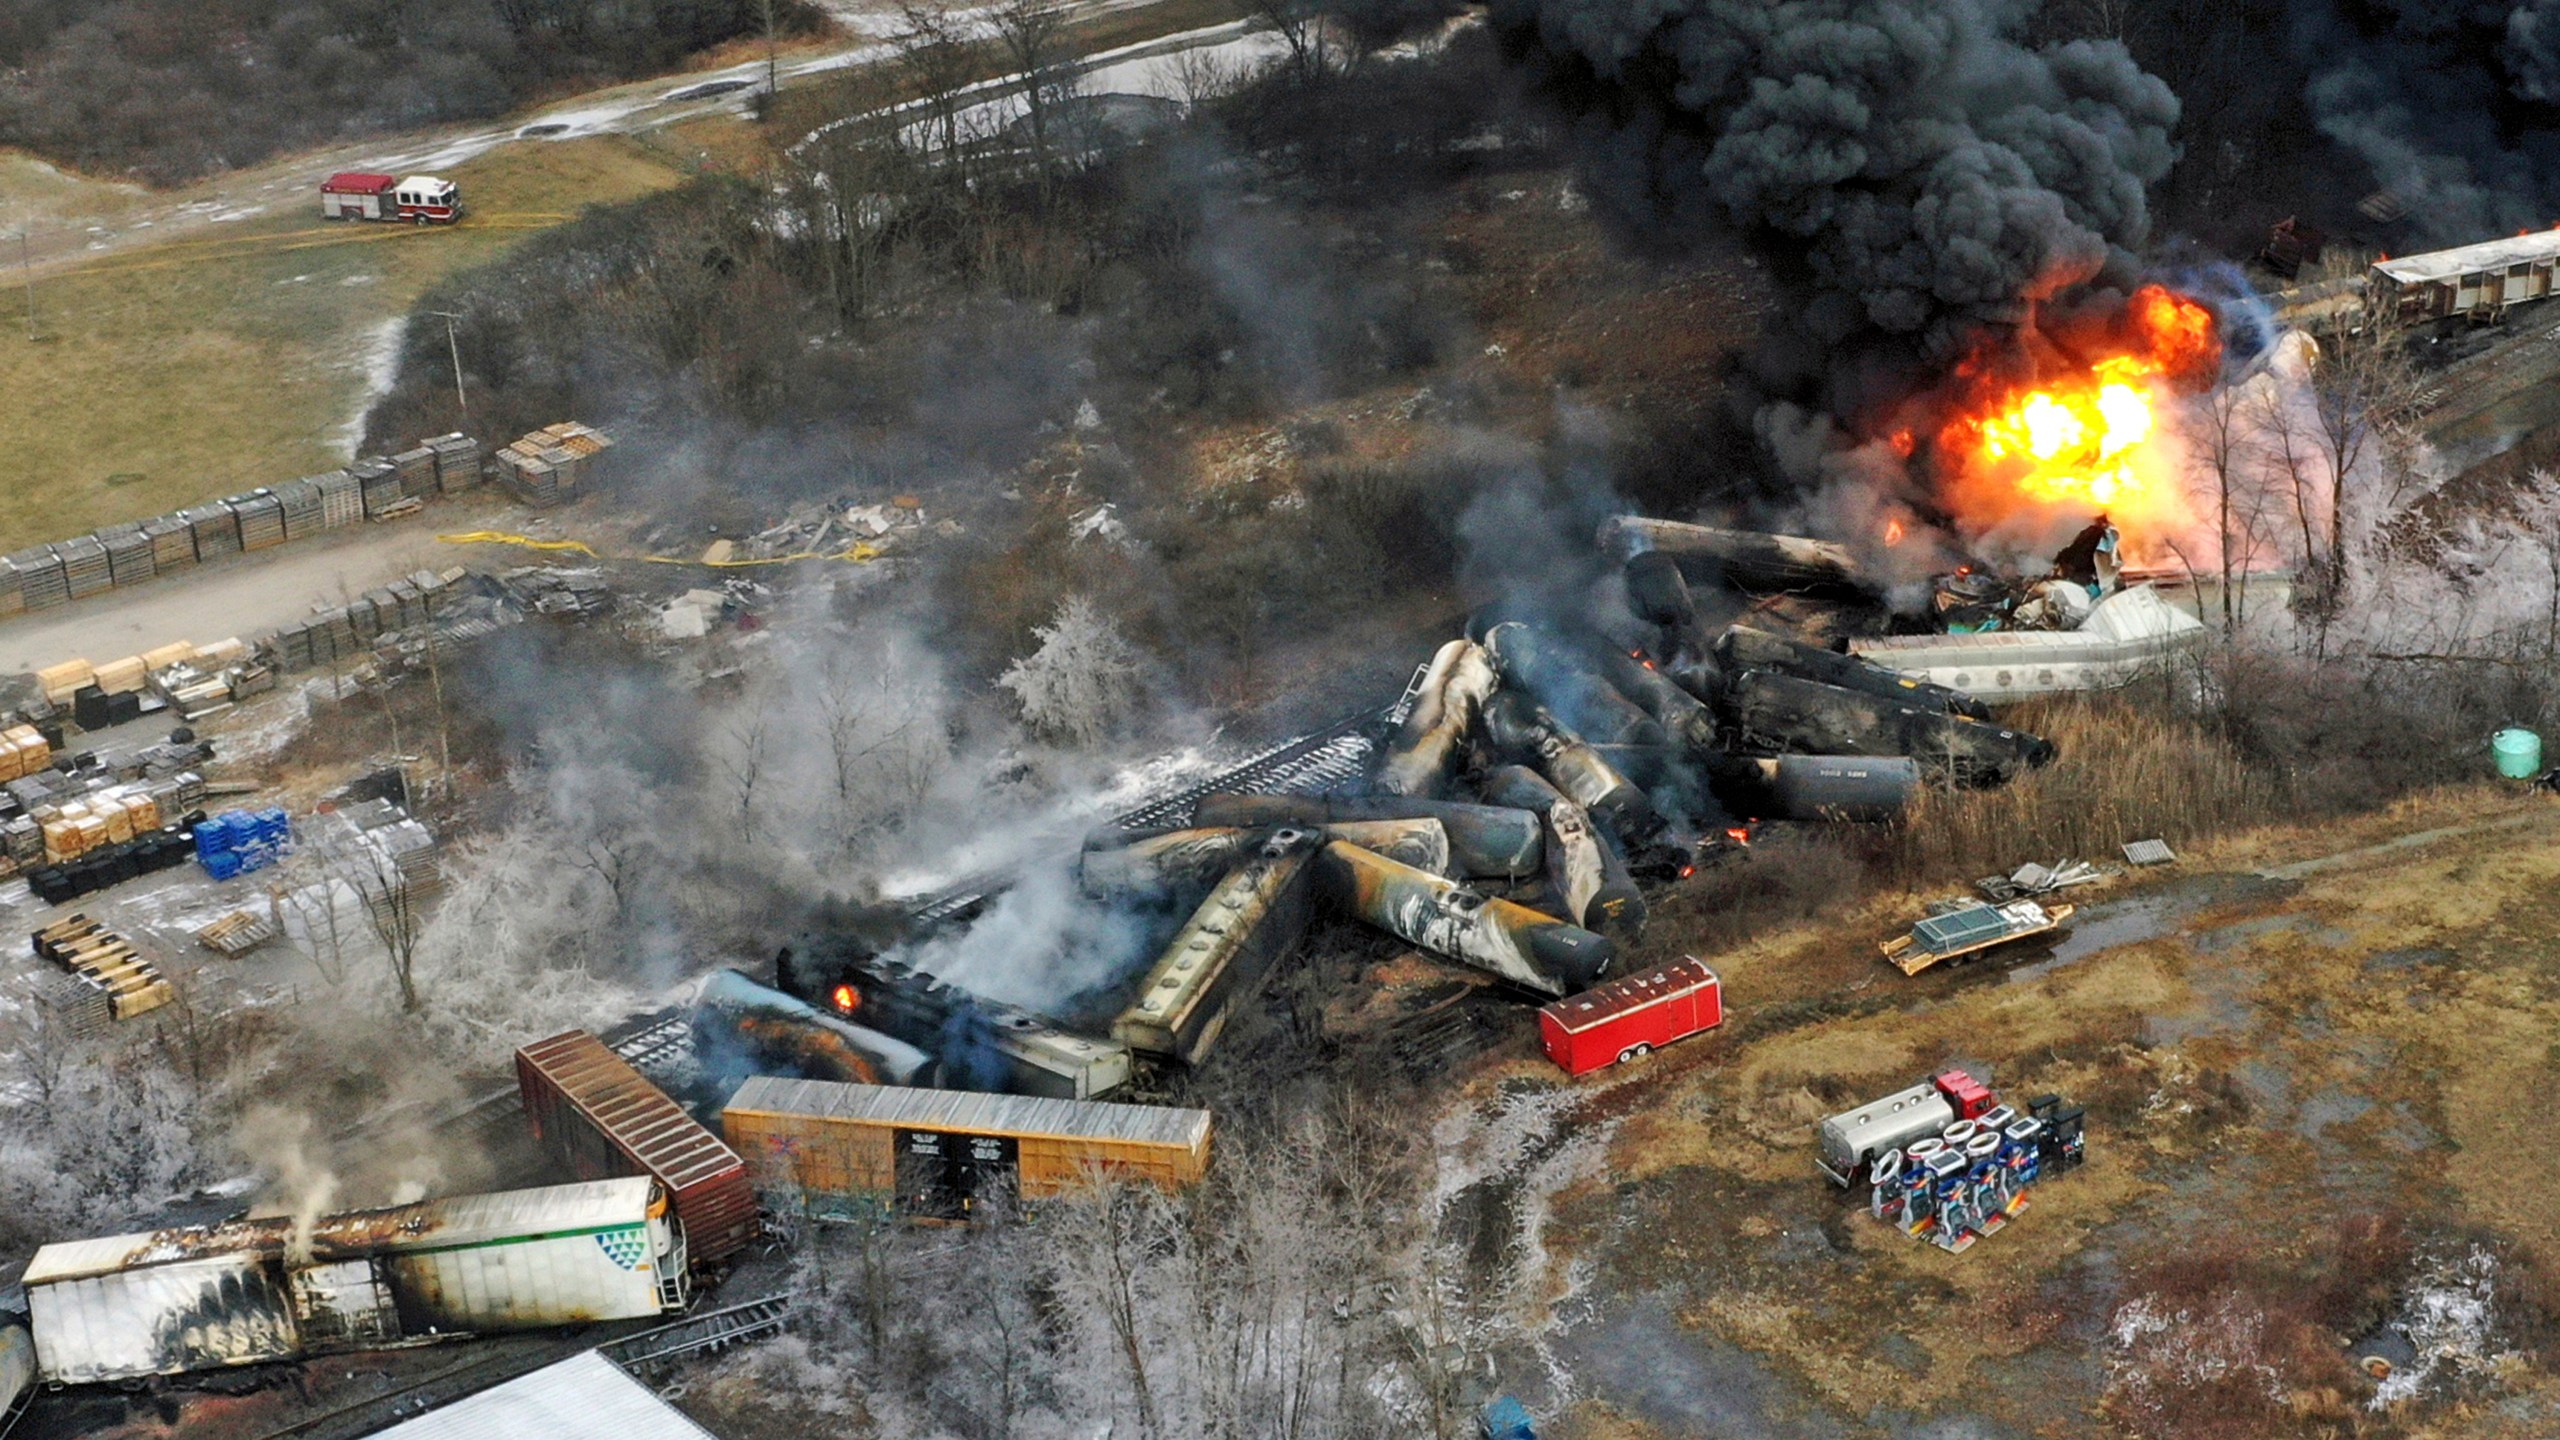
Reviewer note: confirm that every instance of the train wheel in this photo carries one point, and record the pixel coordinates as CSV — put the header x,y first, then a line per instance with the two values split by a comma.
x,y
1634,1052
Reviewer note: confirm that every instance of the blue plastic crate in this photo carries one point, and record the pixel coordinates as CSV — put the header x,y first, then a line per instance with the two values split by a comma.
x,y
222,865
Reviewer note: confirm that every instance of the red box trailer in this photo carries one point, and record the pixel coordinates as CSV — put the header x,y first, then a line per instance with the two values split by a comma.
x,y
604,1119
1629,1017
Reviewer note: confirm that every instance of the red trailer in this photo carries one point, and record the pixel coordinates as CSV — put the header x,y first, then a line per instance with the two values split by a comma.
x,y
1629,1017
604,1119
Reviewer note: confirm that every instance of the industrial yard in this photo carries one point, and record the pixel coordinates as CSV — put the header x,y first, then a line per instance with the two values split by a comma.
x,y
1351,720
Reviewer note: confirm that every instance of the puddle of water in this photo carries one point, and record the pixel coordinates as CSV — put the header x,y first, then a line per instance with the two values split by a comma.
x,y
2223,938
2137,918
1644,1361
2324,1108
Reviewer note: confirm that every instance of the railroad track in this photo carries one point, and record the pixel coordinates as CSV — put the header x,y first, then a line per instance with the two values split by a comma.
x,y
707,1333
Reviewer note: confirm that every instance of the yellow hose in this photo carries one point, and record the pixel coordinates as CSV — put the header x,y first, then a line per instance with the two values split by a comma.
x,y
857,555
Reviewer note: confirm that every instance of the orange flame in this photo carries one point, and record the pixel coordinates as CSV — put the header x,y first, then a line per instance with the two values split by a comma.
x,y
2084,439
1893,532
847,999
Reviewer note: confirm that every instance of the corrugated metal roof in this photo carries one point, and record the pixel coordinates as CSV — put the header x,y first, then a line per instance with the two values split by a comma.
x,y
652,1128
966,1111
1577,1013
586,1398
2490,255
432,1224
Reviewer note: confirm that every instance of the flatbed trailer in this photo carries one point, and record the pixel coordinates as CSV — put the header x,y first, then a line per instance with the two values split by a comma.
x,y
1970,930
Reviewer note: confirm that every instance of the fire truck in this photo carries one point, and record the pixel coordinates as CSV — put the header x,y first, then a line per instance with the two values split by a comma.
x,y
1630,1017
420,199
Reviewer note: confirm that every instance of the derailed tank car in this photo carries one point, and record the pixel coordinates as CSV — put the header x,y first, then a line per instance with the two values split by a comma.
x,y
253,1291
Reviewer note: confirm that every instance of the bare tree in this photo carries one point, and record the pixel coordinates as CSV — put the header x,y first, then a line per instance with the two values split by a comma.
x,y
941,57
1032,36
1301,26
2362,386
394,911
2537,501
741,758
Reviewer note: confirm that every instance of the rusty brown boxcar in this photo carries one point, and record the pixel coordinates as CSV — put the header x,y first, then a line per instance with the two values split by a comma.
x,y
604,1119
944,1154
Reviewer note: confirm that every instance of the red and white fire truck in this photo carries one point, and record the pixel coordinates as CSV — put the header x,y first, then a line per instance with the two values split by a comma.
x,y
421,199
1630,1017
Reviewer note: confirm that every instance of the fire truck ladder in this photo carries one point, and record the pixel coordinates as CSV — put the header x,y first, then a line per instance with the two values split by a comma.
x,y
706,1333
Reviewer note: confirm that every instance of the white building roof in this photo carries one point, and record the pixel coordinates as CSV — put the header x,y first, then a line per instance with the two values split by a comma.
x,y
2488,255
585,1398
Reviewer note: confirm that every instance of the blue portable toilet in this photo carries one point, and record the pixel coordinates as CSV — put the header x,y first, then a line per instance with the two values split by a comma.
x,y
1506,1419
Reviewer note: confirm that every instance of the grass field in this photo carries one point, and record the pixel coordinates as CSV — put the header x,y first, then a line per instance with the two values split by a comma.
x,y
238,357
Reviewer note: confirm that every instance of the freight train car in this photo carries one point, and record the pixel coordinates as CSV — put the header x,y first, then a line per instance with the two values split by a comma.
x,y
948,1154
254,1291
604,1119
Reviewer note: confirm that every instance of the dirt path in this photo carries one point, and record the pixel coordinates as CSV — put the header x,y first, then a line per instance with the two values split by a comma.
x,y
248,596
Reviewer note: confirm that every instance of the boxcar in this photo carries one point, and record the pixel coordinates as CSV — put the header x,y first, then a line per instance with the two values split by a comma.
x,y
253,1291
603,1119
947,1154
1631,1016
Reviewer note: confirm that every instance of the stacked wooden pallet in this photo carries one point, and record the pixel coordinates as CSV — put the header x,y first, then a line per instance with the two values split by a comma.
x,y
341,499
173,542
129,555
236,934
548,466
417,472
84,567
108,981
217,530
380,481
261,519
457,461
40,582
299,500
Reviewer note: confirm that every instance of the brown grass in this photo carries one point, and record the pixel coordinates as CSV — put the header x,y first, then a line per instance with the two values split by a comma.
x,y
2126,772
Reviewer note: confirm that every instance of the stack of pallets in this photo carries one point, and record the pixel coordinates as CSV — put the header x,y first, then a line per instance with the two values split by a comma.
x,y
108,981
13,599
217,530
457,461
173,542
129,555
84,567
236,934
300,502
40,582
380,482
417,472
341,499
261,519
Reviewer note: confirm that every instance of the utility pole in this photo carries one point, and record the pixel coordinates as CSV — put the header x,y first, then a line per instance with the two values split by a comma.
x,y
27,267
454,347
772,63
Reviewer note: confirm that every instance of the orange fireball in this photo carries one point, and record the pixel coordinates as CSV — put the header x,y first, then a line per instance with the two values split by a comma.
x,y
2085,438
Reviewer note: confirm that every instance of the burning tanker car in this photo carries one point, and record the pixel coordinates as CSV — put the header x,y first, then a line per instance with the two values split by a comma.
x,y
1536,776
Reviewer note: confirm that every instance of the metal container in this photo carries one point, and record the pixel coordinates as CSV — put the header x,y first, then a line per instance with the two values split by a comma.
x,y
1743,648
1837,787
1523,730
1218,960
1850,1141
1417,759
1511,942
1587,876
1485,841
1742,559
946,1154
1781,712
604,1119
1558,674
253,1291
736,1020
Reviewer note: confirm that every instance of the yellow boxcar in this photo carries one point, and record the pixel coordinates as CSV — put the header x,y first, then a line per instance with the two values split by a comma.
x,y
944,1154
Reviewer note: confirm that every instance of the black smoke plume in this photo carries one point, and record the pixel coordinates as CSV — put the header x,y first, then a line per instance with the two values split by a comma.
x,y
1922,171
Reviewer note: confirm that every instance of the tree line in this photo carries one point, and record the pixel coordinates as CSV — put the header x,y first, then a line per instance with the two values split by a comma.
x,y
170,90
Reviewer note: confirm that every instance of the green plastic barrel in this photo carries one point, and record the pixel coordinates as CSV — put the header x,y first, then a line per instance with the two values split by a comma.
x,y
2519,753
